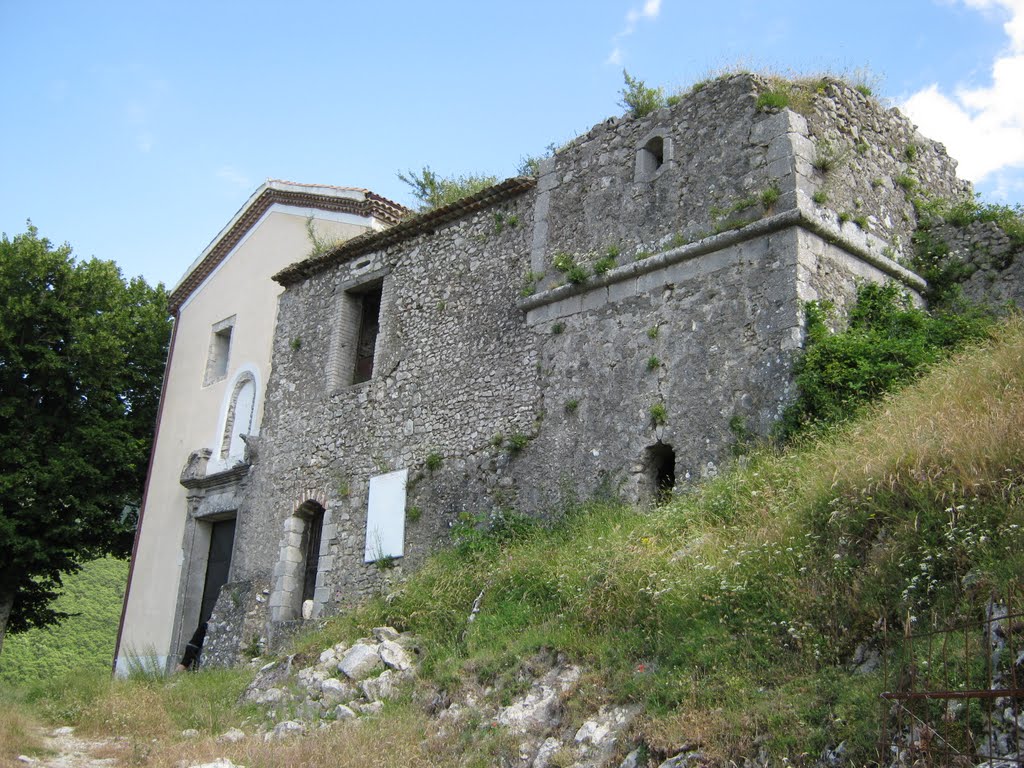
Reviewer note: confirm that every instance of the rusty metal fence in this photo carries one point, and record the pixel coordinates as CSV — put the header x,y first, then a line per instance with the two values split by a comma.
x,y
953,694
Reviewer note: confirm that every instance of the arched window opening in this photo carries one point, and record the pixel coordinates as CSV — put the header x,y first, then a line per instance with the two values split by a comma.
x,y
240,417
650,158
661,471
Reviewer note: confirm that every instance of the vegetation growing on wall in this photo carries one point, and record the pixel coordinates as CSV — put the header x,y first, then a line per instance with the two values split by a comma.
x,y
435,191
888,342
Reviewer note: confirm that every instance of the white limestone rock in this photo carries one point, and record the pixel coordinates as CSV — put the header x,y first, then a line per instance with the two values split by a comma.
x,y
382,687
220,762
232,736
269,696
546,752
394,656
190,733
341,712
385,633
360,661
335,691
285,730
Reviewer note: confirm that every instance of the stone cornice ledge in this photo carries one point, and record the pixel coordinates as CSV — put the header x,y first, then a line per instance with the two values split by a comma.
x,y
794,217
218,479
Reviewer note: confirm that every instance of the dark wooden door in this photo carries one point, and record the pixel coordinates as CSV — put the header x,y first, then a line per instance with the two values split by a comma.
x,y
222,539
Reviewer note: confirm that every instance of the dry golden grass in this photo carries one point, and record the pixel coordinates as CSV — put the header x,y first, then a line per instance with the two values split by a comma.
x,y
19,735
967,444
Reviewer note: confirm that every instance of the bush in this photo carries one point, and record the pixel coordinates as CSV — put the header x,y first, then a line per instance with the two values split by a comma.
x,y
638,99
888,342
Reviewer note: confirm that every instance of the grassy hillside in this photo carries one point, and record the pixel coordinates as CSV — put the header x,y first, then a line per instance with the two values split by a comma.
x,y
84,642
731,613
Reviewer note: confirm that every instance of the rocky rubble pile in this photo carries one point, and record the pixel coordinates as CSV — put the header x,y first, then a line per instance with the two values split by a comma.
x,y
345,682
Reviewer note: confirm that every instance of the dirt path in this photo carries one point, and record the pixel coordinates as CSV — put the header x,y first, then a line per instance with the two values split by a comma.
x,y
73,752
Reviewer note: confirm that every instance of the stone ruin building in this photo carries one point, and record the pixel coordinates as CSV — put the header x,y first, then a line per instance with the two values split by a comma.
x,y
594,329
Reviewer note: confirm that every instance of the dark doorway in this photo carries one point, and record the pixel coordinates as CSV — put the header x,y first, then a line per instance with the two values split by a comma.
x,y
661,469
311,550
218,565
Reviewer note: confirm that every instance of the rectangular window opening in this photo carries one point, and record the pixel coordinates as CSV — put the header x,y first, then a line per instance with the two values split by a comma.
x,y
369,302
220,351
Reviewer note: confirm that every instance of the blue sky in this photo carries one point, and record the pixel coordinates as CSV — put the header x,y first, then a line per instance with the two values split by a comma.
x,y
135,130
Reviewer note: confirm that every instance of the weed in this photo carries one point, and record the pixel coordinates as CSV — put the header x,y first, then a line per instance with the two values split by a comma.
x,y
820,196
773,100
652,332
659,414
603,265
413,514
678,240
861,221
642,254
571,405
910,152
770,196
905,182
442,306
385,562
827,156
497,440
863,89
295,344
577,274
434,461
653,363
530,280
638,99
877,182
517,442
558,328
844,216
613,251
862,147
563,261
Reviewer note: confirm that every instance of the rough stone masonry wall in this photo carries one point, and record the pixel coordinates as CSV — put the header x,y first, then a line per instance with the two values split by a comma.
x,y
532,400
994,263
455,365
871,163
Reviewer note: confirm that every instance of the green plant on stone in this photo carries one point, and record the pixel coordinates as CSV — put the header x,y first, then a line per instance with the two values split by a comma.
x,y
827,156
659,414
910,152
877,182
517,441
652,332
642,254
497,440
612,251
862,147
905,182
296,344
563,261
557,328
844,216
678,240
385,562
773,100
413,514
530,280
861,221
863,89
434,461
604,264
653,363
571,405
820,196
577,274
770,196
638,99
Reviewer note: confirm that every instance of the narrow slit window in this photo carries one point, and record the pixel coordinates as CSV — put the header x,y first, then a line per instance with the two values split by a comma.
x,y
369,326
311,552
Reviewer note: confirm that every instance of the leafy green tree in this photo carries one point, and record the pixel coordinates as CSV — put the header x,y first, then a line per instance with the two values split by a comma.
x,y
81,360
435,191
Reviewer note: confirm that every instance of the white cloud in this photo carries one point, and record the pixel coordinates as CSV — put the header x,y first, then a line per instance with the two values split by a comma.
x,y
233,177
983,127
649,10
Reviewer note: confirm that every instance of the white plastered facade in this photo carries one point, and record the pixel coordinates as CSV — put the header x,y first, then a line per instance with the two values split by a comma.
x,y
236,296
